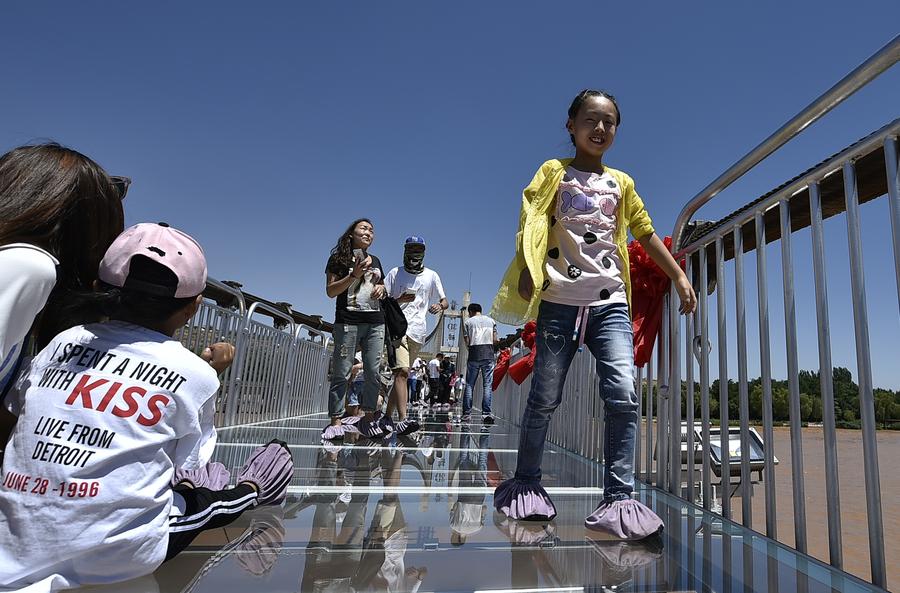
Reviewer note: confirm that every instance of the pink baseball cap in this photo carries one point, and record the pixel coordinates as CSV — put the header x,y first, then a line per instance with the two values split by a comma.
x,y
128,261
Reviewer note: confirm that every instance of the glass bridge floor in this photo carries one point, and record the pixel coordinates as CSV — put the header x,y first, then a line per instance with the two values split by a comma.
x,y
416,514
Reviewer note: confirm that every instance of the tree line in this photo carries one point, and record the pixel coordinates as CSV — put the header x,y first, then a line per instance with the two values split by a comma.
x,y
846,400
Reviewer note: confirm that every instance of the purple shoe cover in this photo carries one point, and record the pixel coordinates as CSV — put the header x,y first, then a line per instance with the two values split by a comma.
x,y
524,500
625,519
213,475
270,468
350,420
337,431
629,554
524,533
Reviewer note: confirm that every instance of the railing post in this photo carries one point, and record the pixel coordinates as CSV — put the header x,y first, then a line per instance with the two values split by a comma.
x,y
826,380
765,365
743,395
864,370
790,334
689,391
674,394
892,167
703,304
723,378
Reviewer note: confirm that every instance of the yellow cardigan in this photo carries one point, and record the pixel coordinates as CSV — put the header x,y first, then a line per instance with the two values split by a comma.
x,y
538,202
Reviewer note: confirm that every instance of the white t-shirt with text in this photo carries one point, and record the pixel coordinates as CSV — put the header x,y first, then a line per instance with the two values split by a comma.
x,y
106,412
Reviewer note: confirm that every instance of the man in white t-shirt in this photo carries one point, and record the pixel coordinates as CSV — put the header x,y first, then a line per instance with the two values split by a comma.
x,y
480,334
419,291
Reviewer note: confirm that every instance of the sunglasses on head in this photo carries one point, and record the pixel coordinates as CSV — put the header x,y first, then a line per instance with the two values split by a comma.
x,y
121,184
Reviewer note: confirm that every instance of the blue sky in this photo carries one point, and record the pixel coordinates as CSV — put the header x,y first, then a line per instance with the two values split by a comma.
x,y
263,129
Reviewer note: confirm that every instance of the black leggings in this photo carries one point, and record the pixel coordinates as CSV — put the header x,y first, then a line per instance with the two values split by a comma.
x,y
206,509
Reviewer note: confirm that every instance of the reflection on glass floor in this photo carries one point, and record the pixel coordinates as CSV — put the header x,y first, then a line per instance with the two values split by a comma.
x,y
415,514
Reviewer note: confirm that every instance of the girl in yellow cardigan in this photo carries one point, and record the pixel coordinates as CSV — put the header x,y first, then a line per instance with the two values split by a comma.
x,y
571,270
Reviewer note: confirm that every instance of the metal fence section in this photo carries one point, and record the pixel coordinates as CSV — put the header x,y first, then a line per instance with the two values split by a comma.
x,y
829,189
685,455
276,373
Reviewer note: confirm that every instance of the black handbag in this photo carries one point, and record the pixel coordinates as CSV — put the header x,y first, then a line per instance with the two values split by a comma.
x,y
394,319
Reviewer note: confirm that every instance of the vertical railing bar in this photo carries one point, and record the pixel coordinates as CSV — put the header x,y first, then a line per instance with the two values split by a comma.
x,y
648,454
765,367
892,168
639,388
826,382
723,377
743,394
689,381
706,468
864,370
674,394
790,334
662,392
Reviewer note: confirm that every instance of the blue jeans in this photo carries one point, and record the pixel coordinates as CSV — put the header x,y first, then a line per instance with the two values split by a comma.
x,y
487,376
347,338
608,335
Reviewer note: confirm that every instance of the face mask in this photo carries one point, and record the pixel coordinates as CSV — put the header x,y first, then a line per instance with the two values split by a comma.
x,y
414,260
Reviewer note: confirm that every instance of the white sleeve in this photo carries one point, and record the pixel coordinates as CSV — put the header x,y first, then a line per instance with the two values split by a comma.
x,y
437,289
27,277
389,282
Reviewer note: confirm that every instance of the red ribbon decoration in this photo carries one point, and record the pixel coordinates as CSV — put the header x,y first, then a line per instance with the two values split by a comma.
x,y
520,369
501,367
649,285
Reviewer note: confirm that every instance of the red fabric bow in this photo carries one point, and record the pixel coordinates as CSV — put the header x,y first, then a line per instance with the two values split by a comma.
x,y
501,367
520,369
649,284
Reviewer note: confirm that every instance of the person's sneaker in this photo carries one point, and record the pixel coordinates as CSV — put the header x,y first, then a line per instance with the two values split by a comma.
x,y
371,430
467,418
445,407
487,419
407,426
269,468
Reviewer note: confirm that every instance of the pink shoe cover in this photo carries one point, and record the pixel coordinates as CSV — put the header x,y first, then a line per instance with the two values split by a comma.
x,y
524,500
270,468
213,475
625,519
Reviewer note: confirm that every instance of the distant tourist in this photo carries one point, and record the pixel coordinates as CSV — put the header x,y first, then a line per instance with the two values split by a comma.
x,y
480,335
419,291
355,277
434,380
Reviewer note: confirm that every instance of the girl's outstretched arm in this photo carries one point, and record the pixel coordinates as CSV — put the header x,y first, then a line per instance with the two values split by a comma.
x,y
659,254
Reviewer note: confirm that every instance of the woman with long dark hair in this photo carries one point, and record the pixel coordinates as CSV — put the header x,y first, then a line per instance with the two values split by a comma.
x,y
355,277
59,212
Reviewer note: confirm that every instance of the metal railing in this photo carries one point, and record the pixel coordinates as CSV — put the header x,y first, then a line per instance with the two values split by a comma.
x,y
775,218
276,373
665,453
